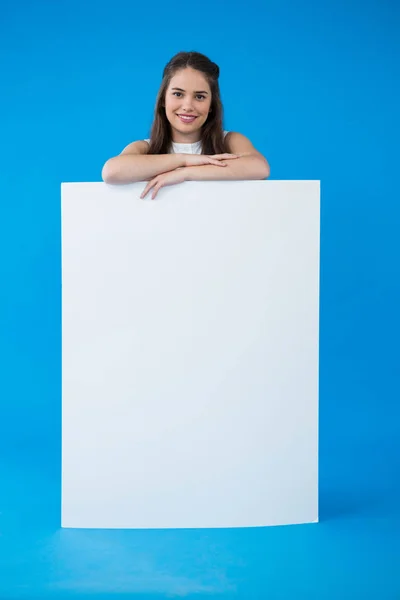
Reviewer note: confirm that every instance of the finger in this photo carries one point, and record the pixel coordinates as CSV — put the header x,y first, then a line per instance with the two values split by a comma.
x,y
145,191
217,163
155,191
225,156
148,188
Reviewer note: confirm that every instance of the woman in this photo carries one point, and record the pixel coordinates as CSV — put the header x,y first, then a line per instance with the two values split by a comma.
x,y
187,141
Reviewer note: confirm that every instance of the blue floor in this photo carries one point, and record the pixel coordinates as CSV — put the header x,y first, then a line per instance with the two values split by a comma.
x,y
352,553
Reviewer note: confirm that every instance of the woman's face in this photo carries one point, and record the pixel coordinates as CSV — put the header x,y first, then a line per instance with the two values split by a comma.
x,y
188,95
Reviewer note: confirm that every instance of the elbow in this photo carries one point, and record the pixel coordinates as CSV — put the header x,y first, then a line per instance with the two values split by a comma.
x,y
109,173
106,173
265,169
259,166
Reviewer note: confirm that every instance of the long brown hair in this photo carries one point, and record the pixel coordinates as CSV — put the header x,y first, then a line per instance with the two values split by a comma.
x,y
212,138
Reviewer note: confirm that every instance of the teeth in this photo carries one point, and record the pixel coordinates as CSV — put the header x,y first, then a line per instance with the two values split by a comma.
x,y
187,118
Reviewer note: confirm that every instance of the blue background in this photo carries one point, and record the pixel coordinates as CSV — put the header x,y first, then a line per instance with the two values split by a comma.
x,y
314,86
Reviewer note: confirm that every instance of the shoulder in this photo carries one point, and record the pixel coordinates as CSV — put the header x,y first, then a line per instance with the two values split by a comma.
x,y
238,143
139,147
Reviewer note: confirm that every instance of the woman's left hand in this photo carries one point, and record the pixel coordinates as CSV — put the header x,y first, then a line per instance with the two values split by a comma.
x,y
168,178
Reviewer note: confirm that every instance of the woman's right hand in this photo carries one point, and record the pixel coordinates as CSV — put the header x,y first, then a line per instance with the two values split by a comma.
x,y
195,160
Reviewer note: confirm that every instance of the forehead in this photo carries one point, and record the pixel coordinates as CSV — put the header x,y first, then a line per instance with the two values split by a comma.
x,y
189,80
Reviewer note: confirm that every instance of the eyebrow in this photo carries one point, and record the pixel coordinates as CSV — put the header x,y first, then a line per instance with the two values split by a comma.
x,y
181,90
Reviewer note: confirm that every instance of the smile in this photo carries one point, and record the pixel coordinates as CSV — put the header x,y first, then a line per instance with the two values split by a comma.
x,y
187,119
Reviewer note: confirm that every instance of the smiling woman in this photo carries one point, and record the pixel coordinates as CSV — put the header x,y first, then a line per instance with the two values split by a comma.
x,y
187,140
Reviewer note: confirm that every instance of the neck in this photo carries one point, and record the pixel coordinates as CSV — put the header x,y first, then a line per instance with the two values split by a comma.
x,y
186,138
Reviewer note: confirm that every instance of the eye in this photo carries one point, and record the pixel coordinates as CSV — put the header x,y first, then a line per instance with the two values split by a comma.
x,y
198,96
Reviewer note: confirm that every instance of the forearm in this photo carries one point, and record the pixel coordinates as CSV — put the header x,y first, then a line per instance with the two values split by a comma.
x,y
243,168
128,168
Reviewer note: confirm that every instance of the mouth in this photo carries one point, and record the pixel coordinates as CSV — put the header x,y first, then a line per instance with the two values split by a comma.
x,y
187,118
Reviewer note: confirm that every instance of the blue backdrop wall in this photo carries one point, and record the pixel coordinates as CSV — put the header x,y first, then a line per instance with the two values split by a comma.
x,y
315,86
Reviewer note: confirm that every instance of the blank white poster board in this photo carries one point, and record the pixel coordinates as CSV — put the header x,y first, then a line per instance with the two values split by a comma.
x,y
190,355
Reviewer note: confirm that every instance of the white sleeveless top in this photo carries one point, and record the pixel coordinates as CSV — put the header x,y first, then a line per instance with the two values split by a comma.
x,y
178,148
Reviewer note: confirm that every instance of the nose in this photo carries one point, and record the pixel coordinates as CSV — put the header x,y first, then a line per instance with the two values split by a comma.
x,y
187,104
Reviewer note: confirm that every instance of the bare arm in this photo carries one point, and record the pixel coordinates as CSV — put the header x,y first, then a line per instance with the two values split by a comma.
x,y
251,164
134,164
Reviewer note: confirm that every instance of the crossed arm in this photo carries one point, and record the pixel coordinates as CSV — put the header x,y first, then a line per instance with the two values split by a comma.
x,y
133,164
250,164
